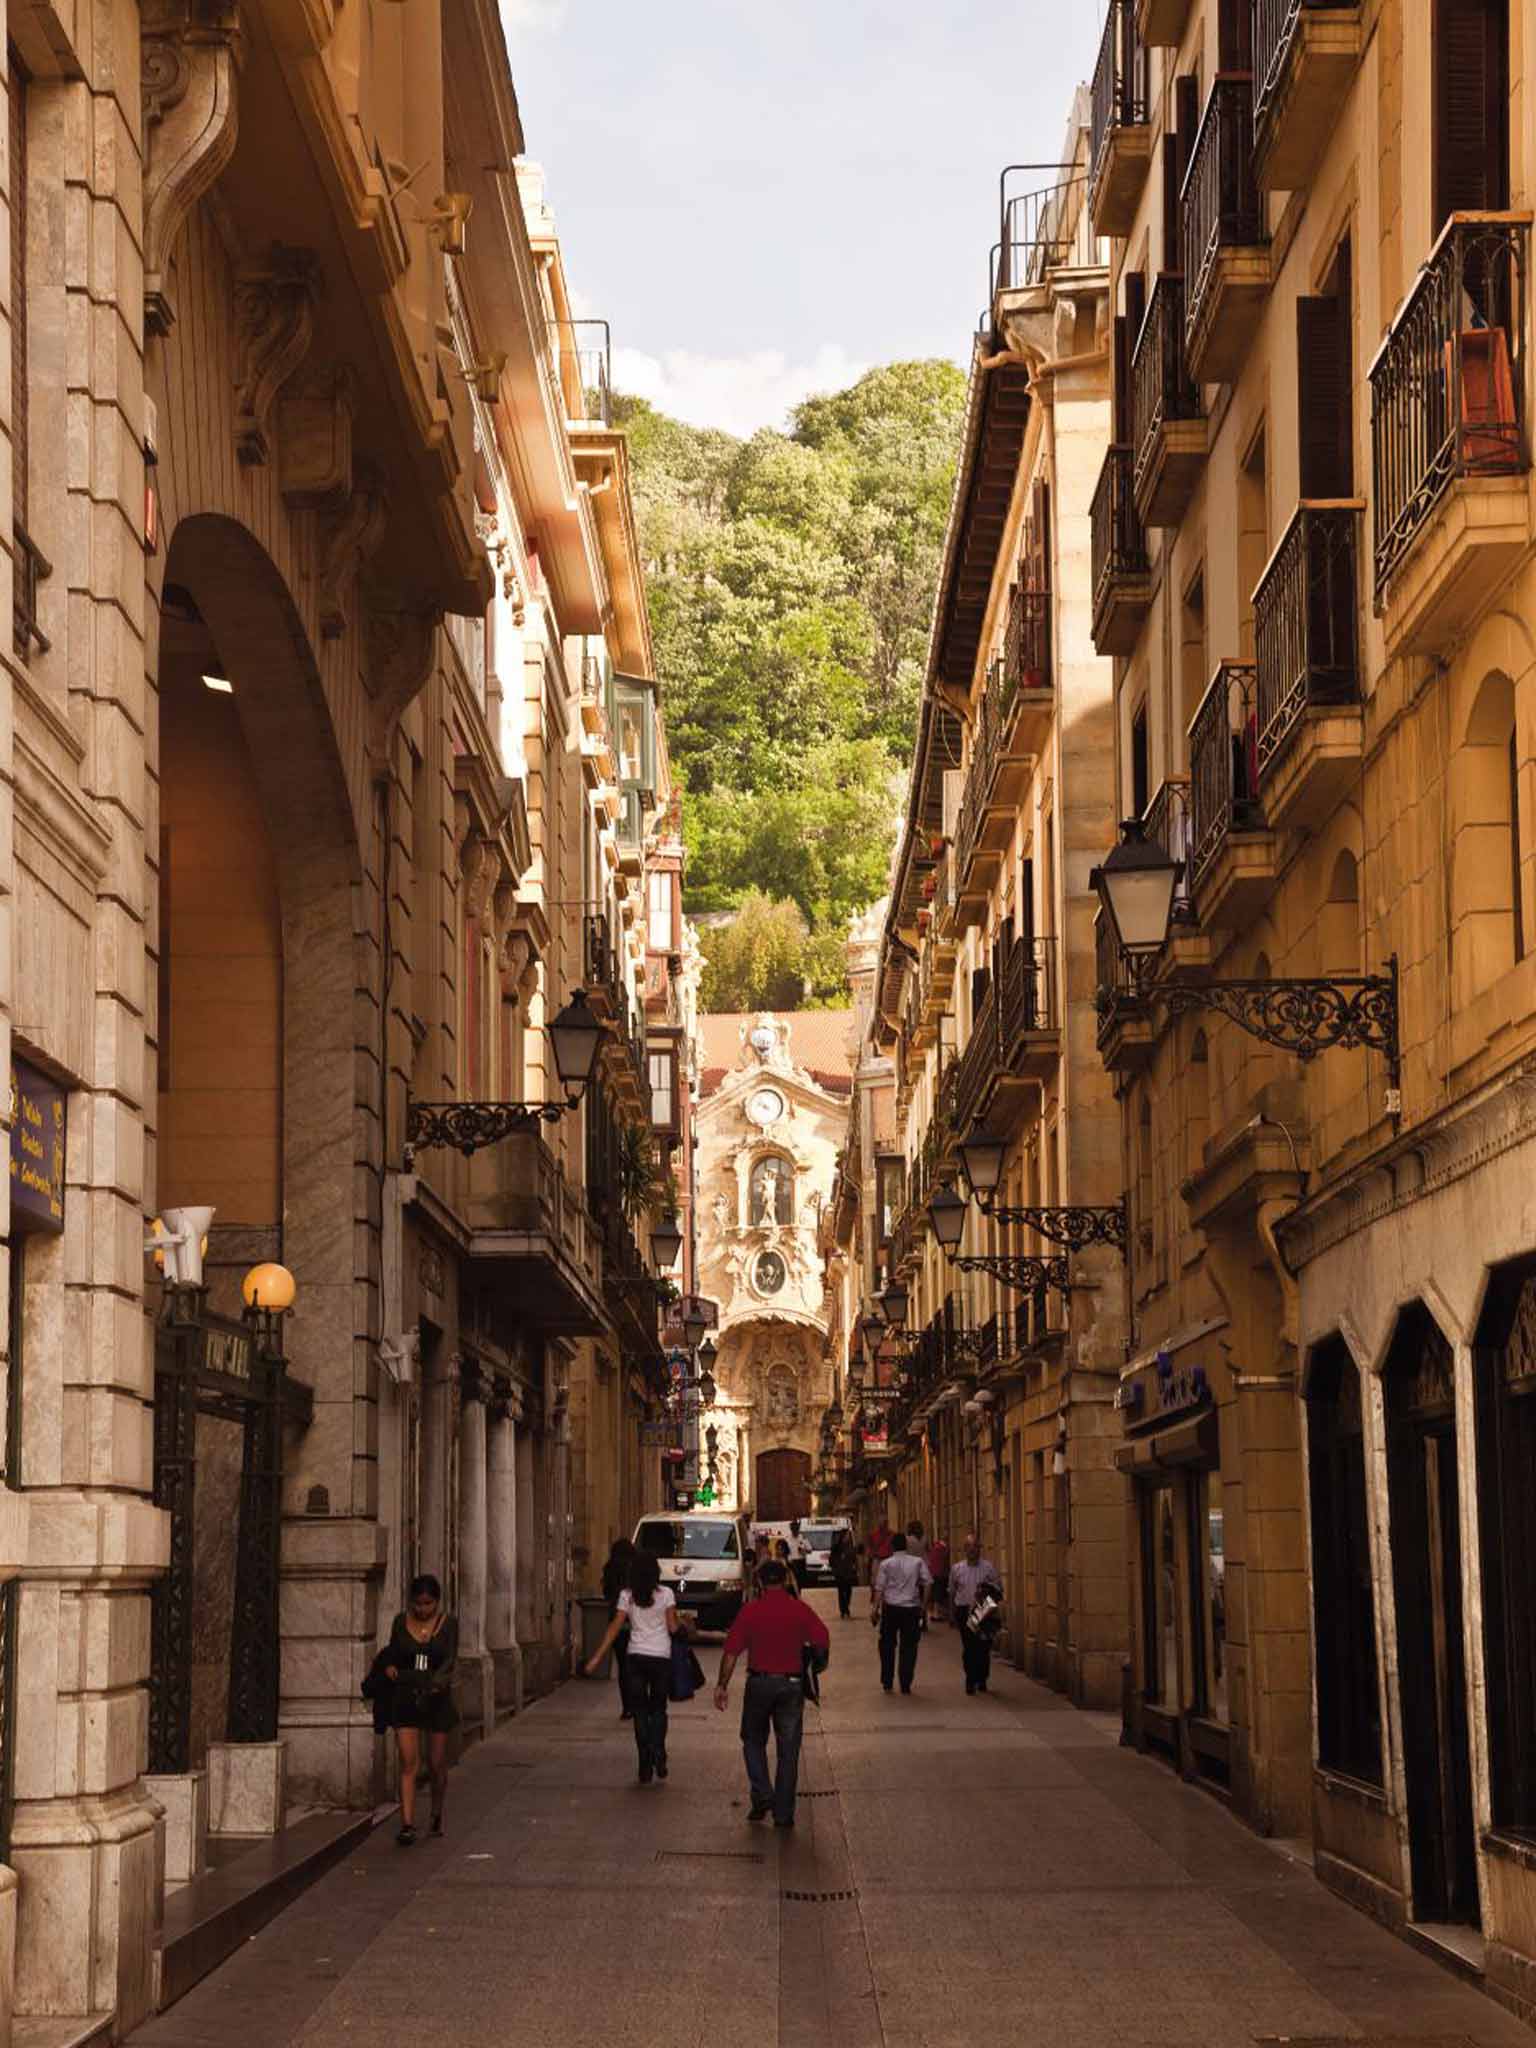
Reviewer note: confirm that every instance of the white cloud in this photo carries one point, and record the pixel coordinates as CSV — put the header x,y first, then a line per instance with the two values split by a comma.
x,y
739,393
532,13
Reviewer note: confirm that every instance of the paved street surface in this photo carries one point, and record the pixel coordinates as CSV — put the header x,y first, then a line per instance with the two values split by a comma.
x,y
956,1859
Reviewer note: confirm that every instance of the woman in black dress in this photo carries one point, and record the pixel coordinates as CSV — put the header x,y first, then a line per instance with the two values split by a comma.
x,y
423,1648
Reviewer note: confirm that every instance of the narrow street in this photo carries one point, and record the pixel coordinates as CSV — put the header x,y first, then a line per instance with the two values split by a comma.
x,y
945,1846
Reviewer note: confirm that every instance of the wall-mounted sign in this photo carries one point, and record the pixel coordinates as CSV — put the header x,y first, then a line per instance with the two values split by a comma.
x,y
661,1436
37,1150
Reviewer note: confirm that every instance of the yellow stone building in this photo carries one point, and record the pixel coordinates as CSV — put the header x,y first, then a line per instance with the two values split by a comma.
x,y
1312,564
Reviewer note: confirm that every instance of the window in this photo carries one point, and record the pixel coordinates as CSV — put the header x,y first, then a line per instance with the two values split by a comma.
x,y
663,1073
660,888
1344,1611
771,1191
1325,372
1487,907
1471,107
888,1196
1141,762
1504,1376
1208,1550
1193,660
1159,1598
1252,533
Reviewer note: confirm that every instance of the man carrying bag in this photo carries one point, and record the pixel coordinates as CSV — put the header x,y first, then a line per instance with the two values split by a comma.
x,y
775,1631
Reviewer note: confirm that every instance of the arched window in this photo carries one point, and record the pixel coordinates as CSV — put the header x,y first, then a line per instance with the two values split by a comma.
x,y
1348,1702
1339,923
771,1191
1487,913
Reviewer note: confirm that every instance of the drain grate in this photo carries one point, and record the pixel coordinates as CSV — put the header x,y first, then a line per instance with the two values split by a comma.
x,y
709,1855
818,1898
816,1795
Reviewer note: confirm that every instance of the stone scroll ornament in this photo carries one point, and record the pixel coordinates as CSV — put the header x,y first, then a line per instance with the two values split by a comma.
x,y
274,325
191,53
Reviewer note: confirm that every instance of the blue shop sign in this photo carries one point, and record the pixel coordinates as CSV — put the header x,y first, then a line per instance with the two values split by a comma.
x,y
38,1112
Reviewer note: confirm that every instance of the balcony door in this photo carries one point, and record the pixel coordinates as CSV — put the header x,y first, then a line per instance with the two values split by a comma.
x,y
1471,107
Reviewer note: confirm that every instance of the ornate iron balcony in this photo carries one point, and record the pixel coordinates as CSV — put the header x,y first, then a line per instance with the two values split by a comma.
x,y
1305,628
1275,27
1223,765
1119,82
1118,539
1448,385
1162,389
1221,207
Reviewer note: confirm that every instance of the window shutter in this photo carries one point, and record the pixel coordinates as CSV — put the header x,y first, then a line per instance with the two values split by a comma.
x,y
1186,117
1325,417
1122,370
1234,36
1173,177
1471,114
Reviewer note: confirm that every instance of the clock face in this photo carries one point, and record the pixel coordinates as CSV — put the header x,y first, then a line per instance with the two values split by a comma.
x,y
765,1106
768,1273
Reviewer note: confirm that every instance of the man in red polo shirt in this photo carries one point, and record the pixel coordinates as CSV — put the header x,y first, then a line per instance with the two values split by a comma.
x,y
775,1630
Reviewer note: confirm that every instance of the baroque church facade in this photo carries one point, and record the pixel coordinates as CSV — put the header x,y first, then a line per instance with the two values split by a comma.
x,y
773,1113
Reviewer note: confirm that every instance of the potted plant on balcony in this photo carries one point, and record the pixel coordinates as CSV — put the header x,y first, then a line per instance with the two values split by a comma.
x,y
643,1182
930,887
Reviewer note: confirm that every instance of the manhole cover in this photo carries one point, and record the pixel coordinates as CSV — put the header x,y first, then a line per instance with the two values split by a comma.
x,y
817,1898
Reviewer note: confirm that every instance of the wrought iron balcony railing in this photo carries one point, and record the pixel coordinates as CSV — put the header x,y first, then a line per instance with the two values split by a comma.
x,y
582,351
1275,26
1223,765
1167,824
1448,384
1118,540
1116,989
1221,206
1017,1003
1305,626
1119,82
600,966
1038,231
1162,389
1027,642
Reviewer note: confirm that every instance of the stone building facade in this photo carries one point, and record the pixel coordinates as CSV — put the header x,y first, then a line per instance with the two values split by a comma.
x,y
326,608
995,1411
772,1113
1313,570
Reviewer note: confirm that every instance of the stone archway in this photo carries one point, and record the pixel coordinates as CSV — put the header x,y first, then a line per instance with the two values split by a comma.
x,y
288,892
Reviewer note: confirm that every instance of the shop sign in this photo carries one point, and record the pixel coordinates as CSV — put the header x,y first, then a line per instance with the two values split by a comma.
x,y
1172,1389
875,1439
37,1149
661,1436
227,1352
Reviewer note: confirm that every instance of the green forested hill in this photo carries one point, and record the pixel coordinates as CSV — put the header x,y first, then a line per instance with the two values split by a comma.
x,y
791,580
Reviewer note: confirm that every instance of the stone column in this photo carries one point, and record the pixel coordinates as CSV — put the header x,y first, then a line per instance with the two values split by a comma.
x,y
524,1551
501,1564
477,1688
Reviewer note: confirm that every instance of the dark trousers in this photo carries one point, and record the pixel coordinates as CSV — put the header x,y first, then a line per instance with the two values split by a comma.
x,y
845,1597
975,1649
778,1703
649,1678
621,1667
900,1628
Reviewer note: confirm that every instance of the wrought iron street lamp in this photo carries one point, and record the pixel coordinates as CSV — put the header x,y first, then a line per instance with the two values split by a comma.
x,y
946,1213
666,1241
695,1323
1072,1224
894,1300
1300,1015
575,1042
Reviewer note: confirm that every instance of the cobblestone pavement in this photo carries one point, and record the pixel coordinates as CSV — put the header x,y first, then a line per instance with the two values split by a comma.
x,y
964,1870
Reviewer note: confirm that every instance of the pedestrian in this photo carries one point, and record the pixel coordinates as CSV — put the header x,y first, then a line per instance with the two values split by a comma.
x,y
973,1576
844,1564
774,1634
917,1537
800,1551
615,1579
938,1566
879,1547
649,1610
899,1609
422,1650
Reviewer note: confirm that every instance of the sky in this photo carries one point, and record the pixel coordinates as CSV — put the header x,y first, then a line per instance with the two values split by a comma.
x,y
765,198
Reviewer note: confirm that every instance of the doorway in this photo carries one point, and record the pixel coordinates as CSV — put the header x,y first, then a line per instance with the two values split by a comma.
x,y
1425,1499
783,1486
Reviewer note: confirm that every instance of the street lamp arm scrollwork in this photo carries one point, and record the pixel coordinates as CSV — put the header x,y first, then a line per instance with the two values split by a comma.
x,y
1070,1224
1025,1275
1298,1015
469,1126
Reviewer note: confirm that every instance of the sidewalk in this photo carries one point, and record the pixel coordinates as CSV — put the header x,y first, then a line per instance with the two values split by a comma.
x,y
963,1871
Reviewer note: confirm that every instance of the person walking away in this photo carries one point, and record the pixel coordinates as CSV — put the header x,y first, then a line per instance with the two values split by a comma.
x,y
899,1609
649,1610
773,1634
615,1579
844,1564
973,1576
938,1566
422,1652
879,1547
800,1551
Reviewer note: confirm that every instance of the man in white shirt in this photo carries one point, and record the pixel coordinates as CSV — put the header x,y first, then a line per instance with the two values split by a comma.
x,y
973,1576
901,1593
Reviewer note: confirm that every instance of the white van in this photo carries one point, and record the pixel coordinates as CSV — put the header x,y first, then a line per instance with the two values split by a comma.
x,y
821,1532
703,1559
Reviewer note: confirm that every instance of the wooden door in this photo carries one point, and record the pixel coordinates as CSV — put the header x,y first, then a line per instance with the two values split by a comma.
x,y
783,1491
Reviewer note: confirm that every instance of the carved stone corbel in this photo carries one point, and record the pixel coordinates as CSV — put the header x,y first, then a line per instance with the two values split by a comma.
x,y
349,541
399,649
274,324
480,867
191,52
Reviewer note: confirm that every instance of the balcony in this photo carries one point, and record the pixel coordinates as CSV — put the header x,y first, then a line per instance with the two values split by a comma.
x,y
1125,1036
579,355
1168,430
1015,1039
1166,823
525,1216
1304,57
1160,23
1225,246
1448,445
1122,575
601,973
1028,702
1308,680
1121,138
1232,862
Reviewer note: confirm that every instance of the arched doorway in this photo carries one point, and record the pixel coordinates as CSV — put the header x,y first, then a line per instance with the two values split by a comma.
x,y
257,1078
783,1492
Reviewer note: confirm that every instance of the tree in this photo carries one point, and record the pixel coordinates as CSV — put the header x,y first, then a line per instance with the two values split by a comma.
x,y
757,960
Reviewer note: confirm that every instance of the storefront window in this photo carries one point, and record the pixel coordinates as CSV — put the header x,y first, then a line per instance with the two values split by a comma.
x,y
1506,1473
1344,1612
1158,1567
1211,1593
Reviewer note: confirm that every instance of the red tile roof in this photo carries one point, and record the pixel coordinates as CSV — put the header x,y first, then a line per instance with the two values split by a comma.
x,y
820,1041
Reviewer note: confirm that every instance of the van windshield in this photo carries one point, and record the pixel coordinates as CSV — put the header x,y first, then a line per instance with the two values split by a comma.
x,y
689,1539
819,1535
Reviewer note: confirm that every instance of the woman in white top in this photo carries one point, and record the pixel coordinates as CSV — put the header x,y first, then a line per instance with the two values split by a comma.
x,y
648,1610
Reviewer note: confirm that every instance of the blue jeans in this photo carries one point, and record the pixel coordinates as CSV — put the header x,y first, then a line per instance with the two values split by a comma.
x,y
779,1703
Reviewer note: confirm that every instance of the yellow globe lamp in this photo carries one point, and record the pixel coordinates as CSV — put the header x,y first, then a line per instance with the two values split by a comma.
x,y
270,1287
